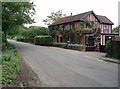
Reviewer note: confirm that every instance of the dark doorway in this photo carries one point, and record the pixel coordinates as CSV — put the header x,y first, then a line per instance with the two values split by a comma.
x,y
57,38
89,40
61,39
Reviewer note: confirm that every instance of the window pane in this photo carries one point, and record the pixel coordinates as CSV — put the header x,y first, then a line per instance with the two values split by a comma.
x,y
106,27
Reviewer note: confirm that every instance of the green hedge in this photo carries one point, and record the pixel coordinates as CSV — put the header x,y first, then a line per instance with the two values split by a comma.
x,y
29,39
78,47
20,38
61,45
113,49
43,40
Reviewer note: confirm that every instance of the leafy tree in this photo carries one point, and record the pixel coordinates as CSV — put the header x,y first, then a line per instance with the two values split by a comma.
x,y
29,33
115,30
16,31
53,17
87,24
14,14
36,30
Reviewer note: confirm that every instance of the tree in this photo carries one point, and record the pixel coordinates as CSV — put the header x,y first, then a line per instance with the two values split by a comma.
x,y
16,31
14,14
53,17
115,30
87,24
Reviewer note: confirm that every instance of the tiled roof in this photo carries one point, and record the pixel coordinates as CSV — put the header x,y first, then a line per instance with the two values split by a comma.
x,y
82,16
104,19
62,20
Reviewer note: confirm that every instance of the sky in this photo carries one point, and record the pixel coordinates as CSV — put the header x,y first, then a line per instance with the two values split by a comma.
x,y
44,8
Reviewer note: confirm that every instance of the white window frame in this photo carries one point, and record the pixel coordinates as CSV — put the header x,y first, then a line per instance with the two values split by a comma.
x,y
106,27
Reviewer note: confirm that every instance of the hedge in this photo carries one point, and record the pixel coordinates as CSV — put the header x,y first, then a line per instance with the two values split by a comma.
x,y
113,49
20,38
78,47
43,40
61,45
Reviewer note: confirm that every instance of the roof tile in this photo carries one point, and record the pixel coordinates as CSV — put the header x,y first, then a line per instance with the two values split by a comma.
x,y
103,19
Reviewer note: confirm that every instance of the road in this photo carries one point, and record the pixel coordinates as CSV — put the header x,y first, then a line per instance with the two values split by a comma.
x,y
57,67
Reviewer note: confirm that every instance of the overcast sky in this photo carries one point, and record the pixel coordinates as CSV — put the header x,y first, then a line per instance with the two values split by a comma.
x,y
107,8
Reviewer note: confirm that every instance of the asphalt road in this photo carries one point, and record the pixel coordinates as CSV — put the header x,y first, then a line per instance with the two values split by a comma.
x,y
58,67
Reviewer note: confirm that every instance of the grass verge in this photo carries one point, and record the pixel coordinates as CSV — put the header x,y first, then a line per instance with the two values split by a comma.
x,y
0,74
10,64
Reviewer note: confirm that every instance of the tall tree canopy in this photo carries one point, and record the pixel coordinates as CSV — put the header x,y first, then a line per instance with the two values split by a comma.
x,y
115,30
53,17
16,13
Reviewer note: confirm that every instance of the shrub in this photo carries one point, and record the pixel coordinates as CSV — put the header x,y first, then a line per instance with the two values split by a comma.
x,y
113,49
116,49
29,39
20,38
79,47
108,48
62,45
43,40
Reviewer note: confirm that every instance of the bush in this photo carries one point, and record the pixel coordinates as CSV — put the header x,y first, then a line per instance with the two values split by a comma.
x,y
113,49
20,38
79,47
29,39
62,45
43,40
108,48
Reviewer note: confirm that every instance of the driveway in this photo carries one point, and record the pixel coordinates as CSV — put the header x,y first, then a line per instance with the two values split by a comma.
x,y
57,67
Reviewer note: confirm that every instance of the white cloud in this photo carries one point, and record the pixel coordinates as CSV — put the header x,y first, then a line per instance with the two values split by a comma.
x,y
107,8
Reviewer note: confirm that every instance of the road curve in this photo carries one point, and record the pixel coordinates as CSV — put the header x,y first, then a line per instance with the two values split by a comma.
x,y
58,67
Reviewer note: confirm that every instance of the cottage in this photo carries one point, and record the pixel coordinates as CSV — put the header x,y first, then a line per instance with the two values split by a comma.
x,y
87,38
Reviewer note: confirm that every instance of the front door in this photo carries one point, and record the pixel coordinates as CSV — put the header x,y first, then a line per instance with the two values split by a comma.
x,y
89,41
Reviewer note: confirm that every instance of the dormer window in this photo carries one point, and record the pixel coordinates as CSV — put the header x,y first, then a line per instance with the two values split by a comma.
x,y
105,27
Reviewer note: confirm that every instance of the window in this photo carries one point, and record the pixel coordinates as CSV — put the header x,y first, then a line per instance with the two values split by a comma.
x,y
105,27
61,27
72,26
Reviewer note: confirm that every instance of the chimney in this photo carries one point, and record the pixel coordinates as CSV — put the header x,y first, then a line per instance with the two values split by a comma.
x,y
71,14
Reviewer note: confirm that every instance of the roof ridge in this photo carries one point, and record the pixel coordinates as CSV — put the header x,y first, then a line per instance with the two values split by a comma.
x,y
101,15
66,19
83,13
77,14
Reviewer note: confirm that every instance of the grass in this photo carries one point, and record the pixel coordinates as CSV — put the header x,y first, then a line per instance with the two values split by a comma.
x,y
10,64
0,74
0,67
